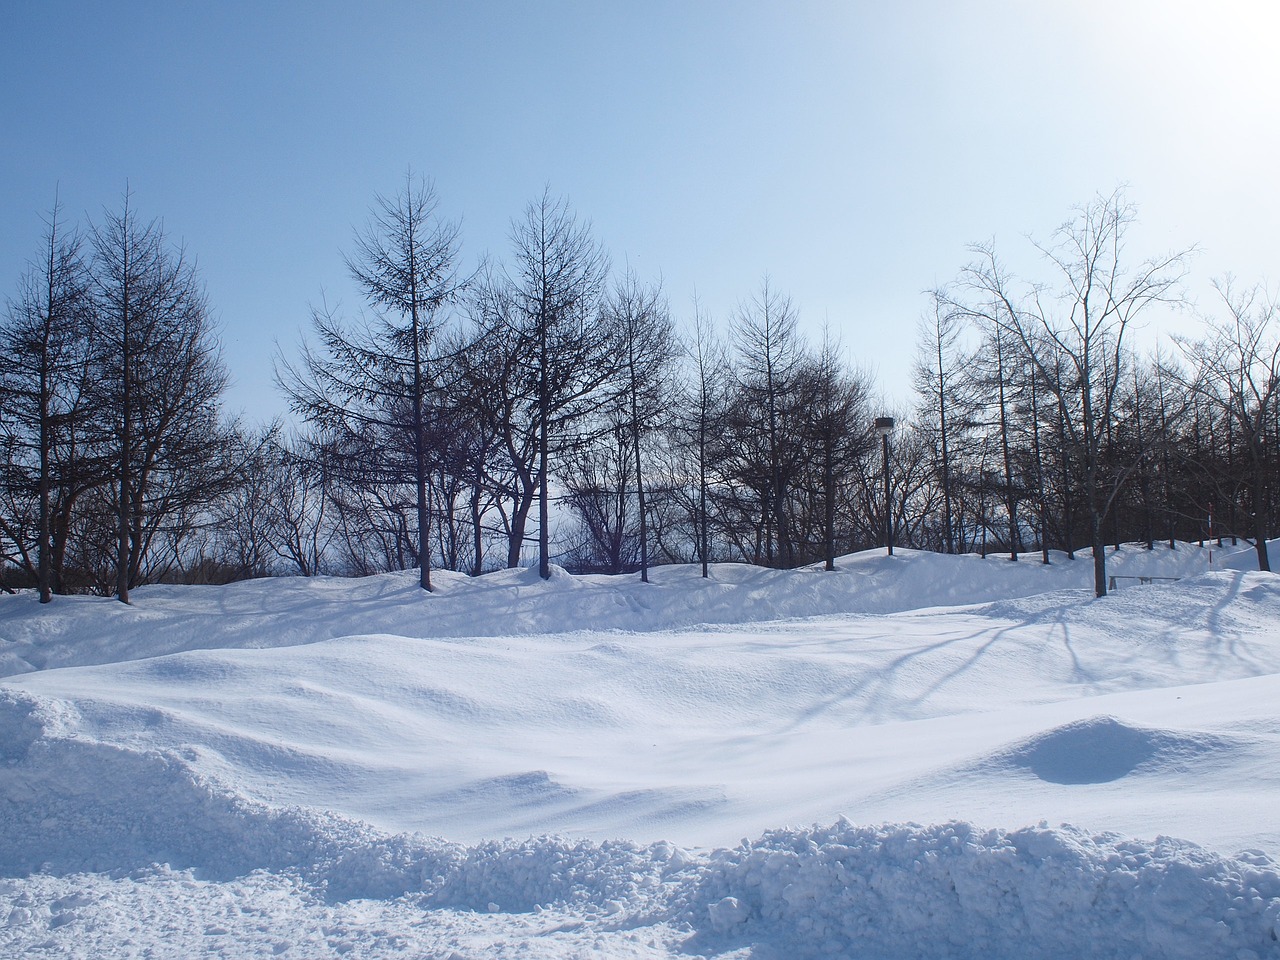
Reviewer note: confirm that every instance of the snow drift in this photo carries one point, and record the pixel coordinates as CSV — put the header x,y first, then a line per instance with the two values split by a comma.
x,y
323,768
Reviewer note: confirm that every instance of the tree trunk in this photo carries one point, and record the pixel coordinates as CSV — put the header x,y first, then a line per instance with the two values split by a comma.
x,y
544,505
419,428
477,533
1099,560
1259,514
1011,502
635,437
123,520
829,497
948,532
519,523
1035,449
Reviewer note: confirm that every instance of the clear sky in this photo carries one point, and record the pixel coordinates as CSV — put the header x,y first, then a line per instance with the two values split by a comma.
x,y
850,150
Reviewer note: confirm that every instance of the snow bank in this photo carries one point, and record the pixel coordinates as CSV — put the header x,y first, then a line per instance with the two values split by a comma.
x,y
290,611
894,893
73,805
698,737
957,891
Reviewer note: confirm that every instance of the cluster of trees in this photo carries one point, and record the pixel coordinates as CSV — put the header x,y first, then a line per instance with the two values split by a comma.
x,y
1046,428
456,406
112,444
546,405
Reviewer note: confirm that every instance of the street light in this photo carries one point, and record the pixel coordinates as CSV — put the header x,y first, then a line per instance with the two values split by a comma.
x,y
884,427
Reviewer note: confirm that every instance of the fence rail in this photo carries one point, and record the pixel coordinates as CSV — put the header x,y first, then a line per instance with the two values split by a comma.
x,y
1142,580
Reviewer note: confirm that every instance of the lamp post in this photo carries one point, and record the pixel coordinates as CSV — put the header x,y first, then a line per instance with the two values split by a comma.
x,y
884,427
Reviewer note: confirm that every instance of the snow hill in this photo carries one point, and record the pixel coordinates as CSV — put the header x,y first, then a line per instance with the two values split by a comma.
x,y
912,756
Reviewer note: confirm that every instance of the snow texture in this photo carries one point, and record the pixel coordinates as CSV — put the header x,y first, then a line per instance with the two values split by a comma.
x,y
350,768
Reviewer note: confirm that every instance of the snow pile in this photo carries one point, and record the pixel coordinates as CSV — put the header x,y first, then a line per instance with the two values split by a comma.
x,y
1105,749
956,891
889,892
523,876
74,805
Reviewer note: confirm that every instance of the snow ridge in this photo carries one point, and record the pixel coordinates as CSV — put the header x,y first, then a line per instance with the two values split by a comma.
x,y
954,890
891,892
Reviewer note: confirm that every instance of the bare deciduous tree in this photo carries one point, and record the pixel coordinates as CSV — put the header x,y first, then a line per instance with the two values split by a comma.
x,y
1083,320
564,349
161,380
769,354
704,399
372,383
45,358
643,328
1237,371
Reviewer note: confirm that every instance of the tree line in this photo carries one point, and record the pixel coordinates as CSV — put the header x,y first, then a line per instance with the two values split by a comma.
x,y
545,405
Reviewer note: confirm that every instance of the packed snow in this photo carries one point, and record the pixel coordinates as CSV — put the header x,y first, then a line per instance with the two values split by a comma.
x,y
912,756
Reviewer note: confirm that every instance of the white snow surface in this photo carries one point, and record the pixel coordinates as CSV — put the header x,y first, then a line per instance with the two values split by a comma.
x,y
912,756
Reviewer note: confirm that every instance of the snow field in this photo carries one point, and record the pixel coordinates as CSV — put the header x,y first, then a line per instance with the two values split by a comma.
x,y
268,768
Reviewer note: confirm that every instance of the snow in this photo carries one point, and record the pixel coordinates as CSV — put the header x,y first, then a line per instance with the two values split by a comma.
x,y
913,756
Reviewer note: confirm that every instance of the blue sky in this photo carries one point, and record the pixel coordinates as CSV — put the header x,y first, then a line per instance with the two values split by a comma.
x,y
849,150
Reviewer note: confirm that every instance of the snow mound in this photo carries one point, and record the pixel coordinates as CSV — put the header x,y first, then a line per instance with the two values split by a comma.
x,y
897,891
957,891
19,656
73,805
891,892
282,612
1104,749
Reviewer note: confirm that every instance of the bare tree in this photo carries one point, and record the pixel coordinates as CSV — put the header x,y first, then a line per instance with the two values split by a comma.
x,y
275,518
598,480
373,382
769,356
1237,371
405,265
643,327
1172,407
161,379
564,349
44,378
935,380
1037,459
496,400
703,400
303,530
1083,320
836,403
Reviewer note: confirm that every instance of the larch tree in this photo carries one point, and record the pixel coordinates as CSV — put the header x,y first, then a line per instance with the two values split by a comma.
x,y
160,382
704,400
371,384
836,401
642,326
935,381
45,358
770,354
566,351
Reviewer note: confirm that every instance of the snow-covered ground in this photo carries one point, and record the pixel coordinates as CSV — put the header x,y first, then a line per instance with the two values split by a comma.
x,y
915,756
